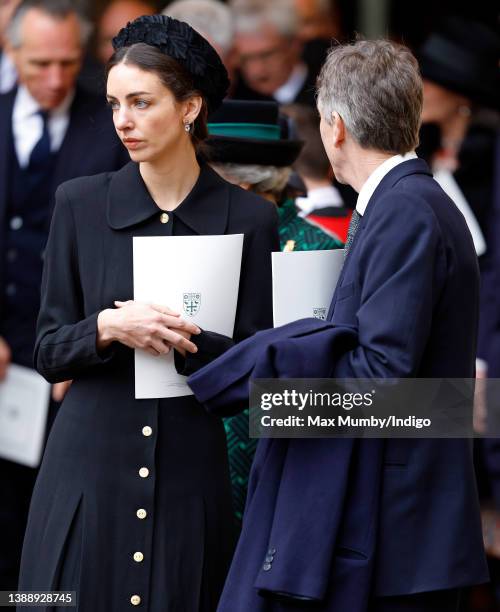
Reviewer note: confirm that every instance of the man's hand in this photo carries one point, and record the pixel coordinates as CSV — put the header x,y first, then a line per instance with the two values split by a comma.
x,y
151,327
5,358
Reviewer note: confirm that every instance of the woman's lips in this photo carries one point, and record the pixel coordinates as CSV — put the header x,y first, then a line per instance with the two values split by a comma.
x,y
131,143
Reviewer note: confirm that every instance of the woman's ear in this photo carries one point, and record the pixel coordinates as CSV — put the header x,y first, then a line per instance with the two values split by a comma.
x,y
192,108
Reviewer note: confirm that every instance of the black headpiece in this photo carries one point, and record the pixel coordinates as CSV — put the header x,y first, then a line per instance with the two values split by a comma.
x,y
251,132
179,41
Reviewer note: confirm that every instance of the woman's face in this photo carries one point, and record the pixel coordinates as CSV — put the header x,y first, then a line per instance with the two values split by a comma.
x,y
147,118
440,104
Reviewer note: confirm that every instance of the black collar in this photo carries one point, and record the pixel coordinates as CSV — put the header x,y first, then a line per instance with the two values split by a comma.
x,y
205,209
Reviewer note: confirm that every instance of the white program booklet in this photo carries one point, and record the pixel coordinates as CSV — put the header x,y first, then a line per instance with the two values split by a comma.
x,y
24,402
197,276
303,284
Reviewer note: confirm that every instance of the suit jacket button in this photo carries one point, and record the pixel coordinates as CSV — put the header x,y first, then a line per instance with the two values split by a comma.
x,y
164,218
266,567
135,600
141,513
138,557
147,431
269,559
144,472
271,551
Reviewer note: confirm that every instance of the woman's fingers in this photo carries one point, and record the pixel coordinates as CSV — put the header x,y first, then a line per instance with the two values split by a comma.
x,y
165,310
120,304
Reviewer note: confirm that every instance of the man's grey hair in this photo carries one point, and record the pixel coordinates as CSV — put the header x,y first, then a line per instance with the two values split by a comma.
x,y
210,18
251,15
376,88
263,179
58,9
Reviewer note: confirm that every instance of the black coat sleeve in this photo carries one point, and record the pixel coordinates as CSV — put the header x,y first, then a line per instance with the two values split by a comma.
x,y
255,309
66,339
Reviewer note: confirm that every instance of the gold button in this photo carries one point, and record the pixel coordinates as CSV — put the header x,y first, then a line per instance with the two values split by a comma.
x,y
135,600
144,472
138,556
141,513
164,218
147,431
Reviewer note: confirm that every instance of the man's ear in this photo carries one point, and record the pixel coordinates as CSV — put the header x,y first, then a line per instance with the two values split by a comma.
x,y
338,129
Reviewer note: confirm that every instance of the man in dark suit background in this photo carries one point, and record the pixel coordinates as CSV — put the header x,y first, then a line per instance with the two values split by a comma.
x,y
50,131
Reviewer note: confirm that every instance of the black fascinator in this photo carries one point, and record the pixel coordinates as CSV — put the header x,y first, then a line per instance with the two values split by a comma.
x,y
179,41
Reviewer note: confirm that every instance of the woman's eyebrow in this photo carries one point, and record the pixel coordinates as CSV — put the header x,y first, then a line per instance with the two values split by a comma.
x,y
132,94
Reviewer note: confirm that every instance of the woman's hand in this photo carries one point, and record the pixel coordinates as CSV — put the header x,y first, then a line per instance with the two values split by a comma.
x,y
151,327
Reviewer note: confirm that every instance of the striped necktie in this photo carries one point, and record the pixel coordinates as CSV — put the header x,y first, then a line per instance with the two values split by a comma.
x,y
351,232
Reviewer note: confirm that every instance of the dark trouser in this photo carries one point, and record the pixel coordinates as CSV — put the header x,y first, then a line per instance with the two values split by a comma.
x,y
434,601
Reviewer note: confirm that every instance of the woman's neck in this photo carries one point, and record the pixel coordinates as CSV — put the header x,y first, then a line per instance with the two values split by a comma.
x,y
170,181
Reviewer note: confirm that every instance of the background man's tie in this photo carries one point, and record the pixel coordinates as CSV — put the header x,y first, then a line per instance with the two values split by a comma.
x,y
41,151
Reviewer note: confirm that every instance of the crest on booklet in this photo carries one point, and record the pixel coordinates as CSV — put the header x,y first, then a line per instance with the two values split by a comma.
x,y
191,303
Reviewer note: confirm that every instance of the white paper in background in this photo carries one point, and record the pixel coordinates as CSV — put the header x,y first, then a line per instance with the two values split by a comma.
x,y
24,402
197,276
303,284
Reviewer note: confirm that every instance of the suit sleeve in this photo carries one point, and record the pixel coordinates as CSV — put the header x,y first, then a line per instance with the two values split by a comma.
x,y
401,270
254,311
66,339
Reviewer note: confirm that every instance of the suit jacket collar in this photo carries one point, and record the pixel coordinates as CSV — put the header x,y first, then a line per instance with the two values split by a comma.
x,y
204,210
390,180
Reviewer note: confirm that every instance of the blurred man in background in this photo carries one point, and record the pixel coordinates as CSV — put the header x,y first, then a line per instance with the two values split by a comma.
x,y
269,53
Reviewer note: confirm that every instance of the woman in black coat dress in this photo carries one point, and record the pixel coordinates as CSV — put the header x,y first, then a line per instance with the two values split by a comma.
x,y
132,505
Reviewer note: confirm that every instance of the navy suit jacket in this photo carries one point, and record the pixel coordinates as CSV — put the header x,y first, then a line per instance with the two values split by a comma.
x,y
90,146
409,293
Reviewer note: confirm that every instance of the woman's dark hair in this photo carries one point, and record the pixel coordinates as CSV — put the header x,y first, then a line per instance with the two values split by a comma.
x,y
172,74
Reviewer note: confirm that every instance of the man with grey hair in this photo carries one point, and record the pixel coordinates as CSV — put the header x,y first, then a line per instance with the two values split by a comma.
x,y
268,52
52,131
410,287
343,525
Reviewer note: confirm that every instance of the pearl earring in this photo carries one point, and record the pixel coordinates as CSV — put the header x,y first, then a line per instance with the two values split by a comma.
x,y
187,127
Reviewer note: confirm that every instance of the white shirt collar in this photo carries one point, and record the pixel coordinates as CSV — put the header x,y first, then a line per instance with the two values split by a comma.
x,y
25,105
27,125
321,197
287,93
373,181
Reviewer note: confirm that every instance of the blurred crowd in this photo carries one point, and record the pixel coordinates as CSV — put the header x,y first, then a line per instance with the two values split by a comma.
x,y
55,125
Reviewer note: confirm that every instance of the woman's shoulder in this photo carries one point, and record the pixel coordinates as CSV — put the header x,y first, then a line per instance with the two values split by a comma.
x,y
85,189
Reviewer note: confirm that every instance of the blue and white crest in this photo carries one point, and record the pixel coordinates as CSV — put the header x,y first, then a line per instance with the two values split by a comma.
x,y
191,303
